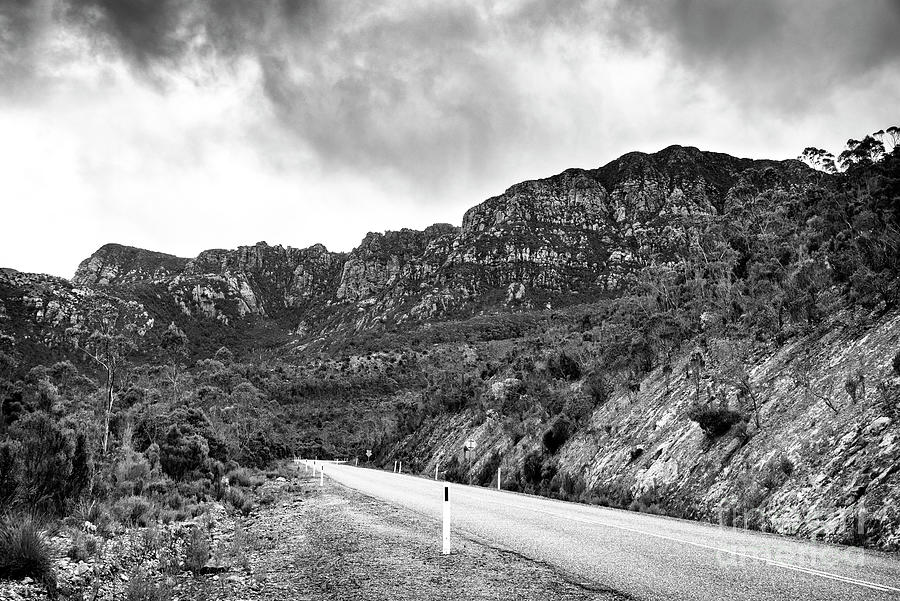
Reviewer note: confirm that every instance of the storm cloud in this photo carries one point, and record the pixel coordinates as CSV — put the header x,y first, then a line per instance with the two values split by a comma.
x,y
413,109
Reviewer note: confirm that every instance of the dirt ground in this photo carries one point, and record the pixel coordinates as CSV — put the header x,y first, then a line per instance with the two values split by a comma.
x,y
338,544
305,542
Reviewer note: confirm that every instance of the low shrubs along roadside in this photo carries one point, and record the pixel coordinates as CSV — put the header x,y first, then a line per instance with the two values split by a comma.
x,y
47,468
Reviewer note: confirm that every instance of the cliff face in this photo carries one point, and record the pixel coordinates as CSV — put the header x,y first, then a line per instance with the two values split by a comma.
x,y
115,264
573,235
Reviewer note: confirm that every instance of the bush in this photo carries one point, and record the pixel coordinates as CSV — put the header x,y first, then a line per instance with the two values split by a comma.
x,y
132,472
9,451
141,588
556,435
714,421
134,511
455,471
240,500
244,477
181,453
44,463
488,472
83,546
896,363
599,387
531,468
196,551
564,367
24,550
775,472
572,487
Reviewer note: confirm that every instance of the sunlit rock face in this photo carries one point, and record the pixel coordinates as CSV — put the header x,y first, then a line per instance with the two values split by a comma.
x,y
571,236
115,264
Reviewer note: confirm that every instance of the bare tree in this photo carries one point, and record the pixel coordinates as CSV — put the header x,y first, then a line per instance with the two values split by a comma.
x,y
802,375
107,337
174,344
730,361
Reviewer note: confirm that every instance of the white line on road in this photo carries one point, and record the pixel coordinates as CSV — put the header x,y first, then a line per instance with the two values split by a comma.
x,y
872,585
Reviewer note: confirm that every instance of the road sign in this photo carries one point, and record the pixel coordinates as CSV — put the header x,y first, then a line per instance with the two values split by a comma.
x,y
471,444
368,452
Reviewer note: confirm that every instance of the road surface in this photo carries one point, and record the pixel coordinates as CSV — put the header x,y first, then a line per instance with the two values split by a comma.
x,y
647,557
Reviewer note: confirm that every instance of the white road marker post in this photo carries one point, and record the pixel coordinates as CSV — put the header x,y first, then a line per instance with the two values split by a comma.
x,y
400,467
446,537
498,477
436,463
395,466
322,476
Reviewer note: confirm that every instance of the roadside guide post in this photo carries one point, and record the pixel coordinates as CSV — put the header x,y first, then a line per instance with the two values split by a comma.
x,y
400,467
395,466
322,476
498,477
446,537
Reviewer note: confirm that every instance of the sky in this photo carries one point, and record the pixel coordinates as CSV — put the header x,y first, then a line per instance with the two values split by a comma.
x,y
179,125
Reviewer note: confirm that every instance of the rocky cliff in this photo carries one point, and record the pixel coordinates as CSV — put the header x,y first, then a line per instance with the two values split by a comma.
x,y
562,239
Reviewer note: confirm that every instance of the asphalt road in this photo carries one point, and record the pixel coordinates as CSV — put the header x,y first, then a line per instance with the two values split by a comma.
x,y
644,556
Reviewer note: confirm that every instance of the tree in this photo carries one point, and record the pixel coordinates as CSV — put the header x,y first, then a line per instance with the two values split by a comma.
x,y
863,152
107,337
730,360
802,375
7,365
174,344
818,159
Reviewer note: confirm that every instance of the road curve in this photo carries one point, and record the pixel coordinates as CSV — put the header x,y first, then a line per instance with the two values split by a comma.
x,y
647,557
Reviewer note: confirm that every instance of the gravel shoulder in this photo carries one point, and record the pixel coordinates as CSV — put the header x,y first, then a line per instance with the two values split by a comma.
x,y
361,548
305,542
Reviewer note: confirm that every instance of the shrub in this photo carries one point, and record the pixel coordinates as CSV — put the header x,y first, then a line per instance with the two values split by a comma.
x,y
82,467
896,363
556,435
572,487
564,367
44,462
24,550
238,499
9,451
134,511
196,551
599,387
488,472
142,588
181,453
244,477
714,421
132,472
531,468
775,471
455,471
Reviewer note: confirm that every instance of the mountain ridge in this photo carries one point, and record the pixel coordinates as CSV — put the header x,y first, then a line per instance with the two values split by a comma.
x,y
579,232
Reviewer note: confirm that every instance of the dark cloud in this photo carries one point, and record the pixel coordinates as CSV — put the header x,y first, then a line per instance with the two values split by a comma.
x,y
146,31
22,23
438,92
784,55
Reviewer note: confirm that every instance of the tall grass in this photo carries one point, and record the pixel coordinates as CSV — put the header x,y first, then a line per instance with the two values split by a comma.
x,y
24,550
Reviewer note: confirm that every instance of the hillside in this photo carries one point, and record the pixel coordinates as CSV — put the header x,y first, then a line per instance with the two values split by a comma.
x,y
682,332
